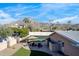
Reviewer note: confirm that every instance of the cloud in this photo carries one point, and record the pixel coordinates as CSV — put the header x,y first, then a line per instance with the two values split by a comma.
x,y
45,8
5,18
44,12
20,10
26,12
58,10
73,19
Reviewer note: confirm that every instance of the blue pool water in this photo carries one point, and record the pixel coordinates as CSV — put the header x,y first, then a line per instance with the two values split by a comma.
x,y
40,38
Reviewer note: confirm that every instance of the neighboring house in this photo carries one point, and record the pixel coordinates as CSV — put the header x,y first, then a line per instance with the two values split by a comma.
x,y
66,42
17,24
14,25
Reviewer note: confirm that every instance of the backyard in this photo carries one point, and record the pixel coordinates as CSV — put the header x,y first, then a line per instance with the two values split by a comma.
x,y
25,52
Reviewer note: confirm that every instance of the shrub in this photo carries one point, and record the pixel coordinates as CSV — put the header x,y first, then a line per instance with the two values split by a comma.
x,y
4,32
22,32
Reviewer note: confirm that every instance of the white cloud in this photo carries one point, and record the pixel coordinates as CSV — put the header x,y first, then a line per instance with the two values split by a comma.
x,y
48,7
20,9
5,18
25,12
73,19
45,8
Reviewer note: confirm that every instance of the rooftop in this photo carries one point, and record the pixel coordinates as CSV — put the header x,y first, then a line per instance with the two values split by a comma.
x,y
73,35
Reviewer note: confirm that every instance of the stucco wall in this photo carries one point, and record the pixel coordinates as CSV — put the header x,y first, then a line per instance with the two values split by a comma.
x,y
3,45
69,49
12,41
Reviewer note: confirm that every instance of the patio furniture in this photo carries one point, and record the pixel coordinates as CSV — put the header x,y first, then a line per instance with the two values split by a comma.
x,y
39,45
34,44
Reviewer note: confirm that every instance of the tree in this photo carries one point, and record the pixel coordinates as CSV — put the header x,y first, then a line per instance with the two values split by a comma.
x,y
22,32
28,23
50,21
54,28
5,32
69,25
69,22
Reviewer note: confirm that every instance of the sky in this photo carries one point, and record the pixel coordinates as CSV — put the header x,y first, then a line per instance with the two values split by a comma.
x,y
41,12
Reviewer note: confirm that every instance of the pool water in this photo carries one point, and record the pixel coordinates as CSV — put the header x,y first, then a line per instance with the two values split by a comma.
x,y
41,38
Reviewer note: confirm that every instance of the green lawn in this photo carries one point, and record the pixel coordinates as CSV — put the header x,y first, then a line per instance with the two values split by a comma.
x,y
38,53
24,52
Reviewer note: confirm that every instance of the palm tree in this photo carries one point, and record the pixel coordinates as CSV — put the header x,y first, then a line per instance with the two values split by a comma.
x,y
69,25
28,23
50,24
26,20
69,22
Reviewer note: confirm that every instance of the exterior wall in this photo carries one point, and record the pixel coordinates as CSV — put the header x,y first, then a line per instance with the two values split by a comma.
x,y
69,49
3,45
53,47
11,41
50,46
20,39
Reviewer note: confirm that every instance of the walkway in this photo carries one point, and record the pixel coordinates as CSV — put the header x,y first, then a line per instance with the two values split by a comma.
x,y
10,51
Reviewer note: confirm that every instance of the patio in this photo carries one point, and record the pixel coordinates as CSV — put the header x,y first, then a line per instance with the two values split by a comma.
x,y
44,48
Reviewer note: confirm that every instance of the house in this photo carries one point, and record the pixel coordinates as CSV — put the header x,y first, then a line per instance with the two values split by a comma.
x,y
17,24
66,42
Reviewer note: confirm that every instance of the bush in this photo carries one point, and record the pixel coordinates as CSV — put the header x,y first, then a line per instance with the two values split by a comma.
x,y
22,32
4,32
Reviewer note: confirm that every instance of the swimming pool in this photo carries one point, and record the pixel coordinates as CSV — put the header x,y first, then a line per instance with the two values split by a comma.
x,y
39,38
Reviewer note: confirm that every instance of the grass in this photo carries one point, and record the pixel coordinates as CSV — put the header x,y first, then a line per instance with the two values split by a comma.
x,y
24,52
38,53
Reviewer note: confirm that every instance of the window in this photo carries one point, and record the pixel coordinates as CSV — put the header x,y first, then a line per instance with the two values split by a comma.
x,y
61,43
